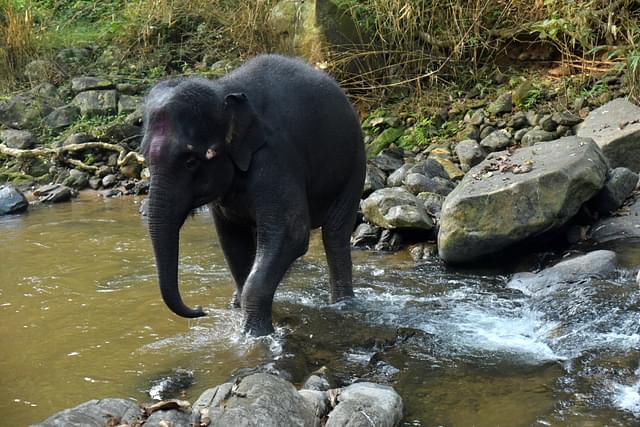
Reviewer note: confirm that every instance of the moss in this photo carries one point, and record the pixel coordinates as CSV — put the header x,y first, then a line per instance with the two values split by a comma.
x,y
385,139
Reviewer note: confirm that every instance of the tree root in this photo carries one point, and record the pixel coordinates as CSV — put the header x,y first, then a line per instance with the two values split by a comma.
x,y
60,154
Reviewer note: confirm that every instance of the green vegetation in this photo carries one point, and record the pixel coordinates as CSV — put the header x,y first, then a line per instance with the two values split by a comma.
x,y
420,53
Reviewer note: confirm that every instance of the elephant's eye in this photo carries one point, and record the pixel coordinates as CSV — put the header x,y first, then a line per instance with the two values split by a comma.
x,y
191,162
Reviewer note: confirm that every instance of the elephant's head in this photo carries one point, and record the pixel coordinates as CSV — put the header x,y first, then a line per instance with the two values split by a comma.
x,y
196,139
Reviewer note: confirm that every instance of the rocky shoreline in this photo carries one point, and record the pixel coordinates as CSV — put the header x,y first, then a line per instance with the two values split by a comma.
x,y
255,400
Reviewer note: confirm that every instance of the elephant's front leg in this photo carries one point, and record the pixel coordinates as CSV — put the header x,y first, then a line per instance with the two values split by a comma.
x,y
276,251
238,244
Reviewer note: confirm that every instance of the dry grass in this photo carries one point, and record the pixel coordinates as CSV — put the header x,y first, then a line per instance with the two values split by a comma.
x,y
16,42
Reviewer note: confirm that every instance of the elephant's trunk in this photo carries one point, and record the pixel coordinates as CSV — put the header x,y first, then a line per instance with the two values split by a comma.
x,y
164,229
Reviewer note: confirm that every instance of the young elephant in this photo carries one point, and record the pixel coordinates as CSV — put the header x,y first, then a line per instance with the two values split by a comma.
x,y
276,149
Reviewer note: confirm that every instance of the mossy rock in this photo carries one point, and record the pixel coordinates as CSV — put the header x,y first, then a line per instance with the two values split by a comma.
x,y
384,140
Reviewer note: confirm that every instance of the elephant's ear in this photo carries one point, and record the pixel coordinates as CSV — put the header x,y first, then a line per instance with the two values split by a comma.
x,y
245,133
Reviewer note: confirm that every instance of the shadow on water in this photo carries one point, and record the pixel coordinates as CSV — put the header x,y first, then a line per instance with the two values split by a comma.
x,y
82,318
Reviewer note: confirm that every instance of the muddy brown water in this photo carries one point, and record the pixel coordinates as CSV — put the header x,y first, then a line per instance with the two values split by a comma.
x,y
81,318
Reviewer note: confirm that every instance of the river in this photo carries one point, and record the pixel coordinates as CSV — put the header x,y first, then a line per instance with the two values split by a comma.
x,y
81,318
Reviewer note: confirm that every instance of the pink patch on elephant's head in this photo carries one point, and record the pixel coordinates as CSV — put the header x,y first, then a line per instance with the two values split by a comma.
x,y
159,132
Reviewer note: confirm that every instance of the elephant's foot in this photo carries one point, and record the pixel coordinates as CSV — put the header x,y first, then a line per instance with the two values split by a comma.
x,y
341,294
258,326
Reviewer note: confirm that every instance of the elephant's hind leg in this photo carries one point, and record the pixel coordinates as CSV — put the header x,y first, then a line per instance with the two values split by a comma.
x,y
336,237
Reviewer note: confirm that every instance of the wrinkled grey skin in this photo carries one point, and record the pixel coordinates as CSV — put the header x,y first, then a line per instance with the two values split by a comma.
x,y
275,148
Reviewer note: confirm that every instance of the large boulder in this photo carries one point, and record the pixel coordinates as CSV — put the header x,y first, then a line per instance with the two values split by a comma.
x,y
12,200
260,400
367,404
510,197
96,413
615,127
396,208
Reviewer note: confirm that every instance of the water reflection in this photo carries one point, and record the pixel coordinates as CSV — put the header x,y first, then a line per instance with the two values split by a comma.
x,y
82,318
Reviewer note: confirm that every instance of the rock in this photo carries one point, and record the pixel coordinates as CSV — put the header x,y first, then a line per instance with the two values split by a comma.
x,y
518,121
486,130
533,117
316,382
388,160
130,89
452,170
54,193
634,209
260,400
537,135
503,104
212,397
76,179
127,104
20,139
496,141
477,118
109,180
365,236
95,182
365,405
373,180
396,178
79,138
62,117
416,183
615,228
390,241
520,133
12,200
319,403
429,168
169,418
396,208
547,123
385,139
432,203
470,132
493,207
45,89
566,118
24,111
619,185
121,132
615,127
96,102
423,251
599,264
96,413
83,84
563,130
469,153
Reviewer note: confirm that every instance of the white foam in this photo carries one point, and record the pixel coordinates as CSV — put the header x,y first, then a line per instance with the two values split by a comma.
x,y
627,397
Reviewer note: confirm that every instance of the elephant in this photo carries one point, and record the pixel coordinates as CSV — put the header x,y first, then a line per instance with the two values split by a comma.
x,y
275,149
